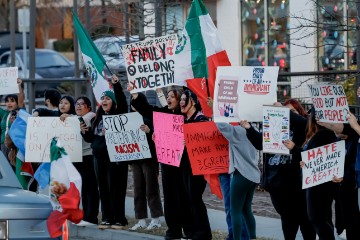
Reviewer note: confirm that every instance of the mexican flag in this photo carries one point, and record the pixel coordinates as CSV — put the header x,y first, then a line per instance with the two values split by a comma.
x,y
65,190
93,60
199,53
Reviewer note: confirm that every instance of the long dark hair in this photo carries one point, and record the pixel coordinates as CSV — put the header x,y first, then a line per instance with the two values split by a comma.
x,y
100,112
312,126
189,94
72,104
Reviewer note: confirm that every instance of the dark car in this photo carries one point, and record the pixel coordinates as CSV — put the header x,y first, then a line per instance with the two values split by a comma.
x,y
48,64
23,214
5,39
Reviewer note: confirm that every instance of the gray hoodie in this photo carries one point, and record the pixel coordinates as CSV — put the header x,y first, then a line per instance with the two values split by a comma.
x,y
242,154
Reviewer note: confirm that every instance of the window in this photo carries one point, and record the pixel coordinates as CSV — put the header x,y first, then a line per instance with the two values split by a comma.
x,y
253,38
331,44
4,60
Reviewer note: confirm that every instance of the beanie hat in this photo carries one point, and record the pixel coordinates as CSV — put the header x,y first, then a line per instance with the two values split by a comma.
x,y
109,93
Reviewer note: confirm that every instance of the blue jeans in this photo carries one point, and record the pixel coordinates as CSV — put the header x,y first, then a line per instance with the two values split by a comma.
x,y
225,189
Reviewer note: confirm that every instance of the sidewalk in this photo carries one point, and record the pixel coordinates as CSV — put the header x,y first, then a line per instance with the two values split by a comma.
x,y
265,227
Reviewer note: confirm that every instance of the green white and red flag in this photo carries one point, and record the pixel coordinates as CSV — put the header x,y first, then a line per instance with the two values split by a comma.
x,y
199,53
93,60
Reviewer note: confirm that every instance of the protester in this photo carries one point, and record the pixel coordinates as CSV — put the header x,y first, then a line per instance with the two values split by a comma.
x,y
86,168
12,102
52,99
319,198
146,172
225,179
355,125
243,165
194,185
282,177
111,176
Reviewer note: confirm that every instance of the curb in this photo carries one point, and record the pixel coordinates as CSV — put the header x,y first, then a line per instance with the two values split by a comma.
x,y
93,233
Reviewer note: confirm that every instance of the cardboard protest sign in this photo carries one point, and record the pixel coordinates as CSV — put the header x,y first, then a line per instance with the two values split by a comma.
x,y
330,103
322,164
207,148
150,63
41,130
124,139
256,87
169,138
276,129
8,80
226,104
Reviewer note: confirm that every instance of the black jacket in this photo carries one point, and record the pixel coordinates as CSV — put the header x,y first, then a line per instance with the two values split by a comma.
x,y
98,143
287,173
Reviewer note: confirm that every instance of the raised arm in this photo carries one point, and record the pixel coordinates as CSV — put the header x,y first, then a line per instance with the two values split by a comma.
x,y
122,106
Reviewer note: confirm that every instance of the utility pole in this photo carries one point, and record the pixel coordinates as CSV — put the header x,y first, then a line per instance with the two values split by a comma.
x,y
32,54
159,8
12,32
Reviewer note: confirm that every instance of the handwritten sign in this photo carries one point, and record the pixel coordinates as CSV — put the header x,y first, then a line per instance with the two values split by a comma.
x,y
207,148
323,163
225,107
169,138
150,63
124,139
276,129
41,130
330,103
8,80
256,87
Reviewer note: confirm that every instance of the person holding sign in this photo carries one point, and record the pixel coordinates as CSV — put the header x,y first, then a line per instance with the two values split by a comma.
x,y
282,177
194,185
243,165
111,176
319,198
177,209
52,99
146,172
12,102
86,168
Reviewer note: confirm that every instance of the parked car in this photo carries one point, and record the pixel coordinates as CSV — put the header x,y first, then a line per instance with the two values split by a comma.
x,y
23,214
48,64
5,39
109,47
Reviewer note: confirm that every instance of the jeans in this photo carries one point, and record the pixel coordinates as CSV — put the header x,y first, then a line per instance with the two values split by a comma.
x,y
225,189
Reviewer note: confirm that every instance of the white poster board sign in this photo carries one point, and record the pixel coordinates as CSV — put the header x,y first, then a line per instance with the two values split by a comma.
x,y
124,139
8,80
276,129
323,163
41,130
150,63
256,87
330,103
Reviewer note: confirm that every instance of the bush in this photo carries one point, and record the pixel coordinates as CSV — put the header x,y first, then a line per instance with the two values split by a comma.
x,y
66,45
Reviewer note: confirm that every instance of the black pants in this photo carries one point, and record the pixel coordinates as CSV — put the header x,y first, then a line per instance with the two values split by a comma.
x,y
347,211
319,207
290,204
112,180
195,187
89,189
146,188
177,209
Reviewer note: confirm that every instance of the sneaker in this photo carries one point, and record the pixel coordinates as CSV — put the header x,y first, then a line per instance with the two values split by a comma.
x,y
84,224
154,224
119,225
104,225
141,224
